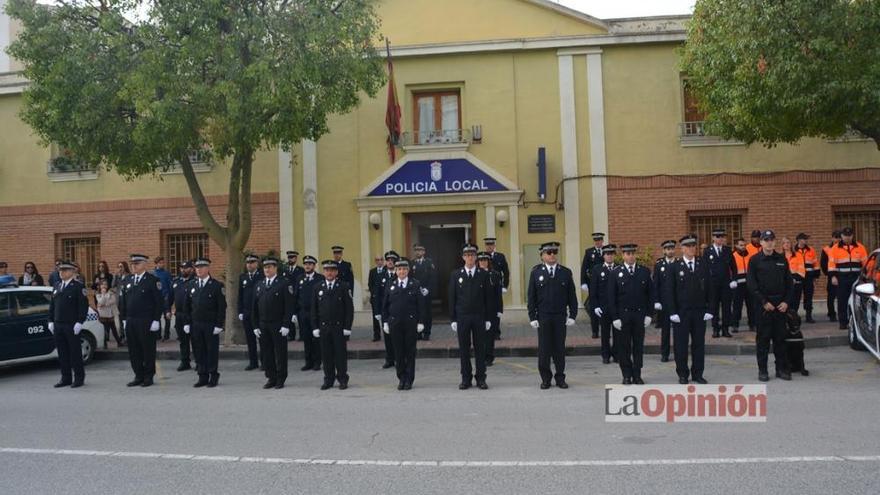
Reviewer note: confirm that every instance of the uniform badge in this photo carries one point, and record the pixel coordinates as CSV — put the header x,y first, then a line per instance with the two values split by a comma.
x,y
541,278
174,286
620,275
55,291
460,280
681,273
662,268
244,282
711,257
290,289
85,292
222,290
320,293
301,282
159,285
603,274
193,290
393,287
128,286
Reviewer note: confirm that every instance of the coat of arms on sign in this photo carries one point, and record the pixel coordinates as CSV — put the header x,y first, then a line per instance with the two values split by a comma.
x,y
436,171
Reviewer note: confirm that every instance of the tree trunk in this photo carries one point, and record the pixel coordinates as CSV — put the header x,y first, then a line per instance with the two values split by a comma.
x,y
234,333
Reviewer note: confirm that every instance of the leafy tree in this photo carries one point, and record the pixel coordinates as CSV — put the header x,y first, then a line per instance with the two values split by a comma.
x,y
777,71
136,85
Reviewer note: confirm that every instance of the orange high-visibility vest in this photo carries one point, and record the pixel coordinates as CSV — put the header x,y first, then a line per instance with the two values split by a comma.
x,y
846,258
796,265
811,263
752,249
742,266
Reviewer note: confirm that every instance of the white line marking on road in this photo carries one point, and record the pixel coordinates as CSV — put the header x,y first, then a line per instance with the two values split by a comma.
x,y
444,464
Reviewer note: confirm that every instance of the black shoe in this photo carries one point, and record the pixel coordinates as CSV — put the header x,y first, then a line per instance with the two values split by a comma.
x,y
664,359
490,363
343,385
809,318
148,382
753,328
407,386
269,384
134,383
62,383
805,373
498,337
213,380
280,385
376,339
734,330
307,367
613,359
317,367
716,334
545,385
326,386
387,365
482,386
426,336
638,380
400,386
201,383
251,367
184,367
627,380
783,375
832,317
595,335
701,380
561,384
763,376
725,333
843,326
606,360
77,384
682,380
464,385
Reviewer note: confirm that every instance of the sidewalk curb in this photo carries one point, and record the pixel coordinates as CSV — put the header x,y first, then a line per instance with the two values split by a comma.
x,y
738,349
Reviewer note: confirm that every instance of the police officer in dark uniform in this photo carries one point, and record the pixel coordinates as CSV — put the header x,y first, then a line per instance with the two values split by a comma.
x,y
333,313
598,300
592,257
272,314
423,270
68,311
292,272
469,316
722,273
496,303
770,286
345,272
552,306
205,307
631,299
499,263
140,309
179,293
247,283
687,299
303,294
391,257
375,280
663,271
403,313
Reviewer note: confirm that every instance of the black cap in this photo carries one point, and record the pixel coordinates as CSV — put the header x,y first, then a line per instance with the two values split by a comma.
x,y
670,243
547,246
202,261
138,258
469,248
768,235
719,232
598,236
418,247
836,233
270,260
756,233
483,255
65,265
688,240
392,255
329,265
401,264
291,254
802,236
489,240
609,249
337,249
629,248
310,259
186,264
847,231
252,258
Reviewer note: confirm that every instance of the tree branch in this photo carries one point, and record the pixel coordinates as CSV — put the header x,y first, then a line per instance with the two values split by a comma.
x,y
215,231
241,237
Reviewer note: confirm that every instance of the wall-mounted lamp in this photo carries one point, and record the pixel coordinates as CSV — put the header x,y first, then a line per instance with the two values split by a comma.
x,y
477,133
375,220
502,216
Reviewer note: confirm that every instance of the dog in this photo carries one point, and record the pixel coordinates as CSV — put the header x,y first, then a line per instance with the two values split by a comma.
x,y
794,343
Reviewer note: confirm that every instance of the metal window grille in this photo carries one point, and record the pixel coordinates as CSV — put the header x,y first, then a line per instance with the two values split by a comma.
x,y
85,252
866,225
182,246
702,225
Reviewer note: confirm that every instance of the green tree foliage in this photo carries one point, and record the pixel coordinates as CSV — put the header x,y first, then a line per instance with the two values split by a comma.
x,y
137,93
776,71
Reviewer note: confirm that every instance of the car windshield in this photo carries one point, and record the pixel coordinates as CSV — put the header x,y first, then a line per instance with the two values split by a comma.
x,y
30,303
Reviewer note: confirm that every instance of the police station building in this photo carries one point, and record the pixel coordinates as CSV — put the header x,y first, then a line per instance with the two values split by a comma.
x,y
523,120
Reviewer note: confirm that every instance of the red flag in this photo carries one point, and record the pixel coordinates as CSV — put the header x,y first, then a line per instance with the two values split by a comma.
x,y
392,112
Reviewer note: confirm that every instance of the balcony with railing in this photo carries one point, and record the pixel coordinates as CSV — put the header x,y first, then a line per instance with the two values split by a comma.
x,y
438,139
694,134
199,159
64,166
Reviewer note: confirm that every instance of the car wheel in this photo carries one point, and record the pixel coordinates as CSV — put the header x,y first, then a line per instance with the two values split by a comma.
x,y
88,345
854,342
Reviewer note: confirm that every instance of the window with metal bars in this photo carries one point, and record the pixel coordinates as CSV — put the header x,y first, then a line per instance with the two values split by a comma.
x,y
181,246
866,225
702,224
85,251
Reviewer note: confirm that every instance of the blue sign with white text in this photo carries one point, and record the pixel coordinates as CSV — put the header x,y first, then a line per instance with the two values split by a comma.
x,y
437,177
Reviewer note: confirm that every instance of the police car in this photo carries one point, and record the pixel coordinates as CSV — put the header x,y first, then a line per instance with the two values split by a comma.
x,y
864,315
24,327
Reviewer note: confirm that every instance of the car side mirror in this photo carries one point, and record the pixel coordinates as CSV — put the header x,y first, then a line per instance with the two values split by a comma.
x,y
866,289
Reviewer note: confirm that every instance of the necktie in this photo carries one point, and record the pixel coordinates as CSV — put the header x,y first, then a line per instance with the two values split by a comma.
x,y
137,280
63,286
551,272
201,284
691,266
331,286
268,283
631,270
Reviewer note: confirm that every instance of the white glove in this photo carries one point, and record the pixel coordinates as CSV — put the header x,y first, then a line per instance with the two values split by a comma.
x,y
534,324
241,317
569,322
733,284
294,320
316,333
378,318
598,312
217,330
454,326
256,332
77,328
707,317
674,319
424,291
617,324
488,325
504,290
154,327
498,315
51,328
186,329
386,328
585,287
658,306
647,321
420,328
284,331
124,324
346,333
